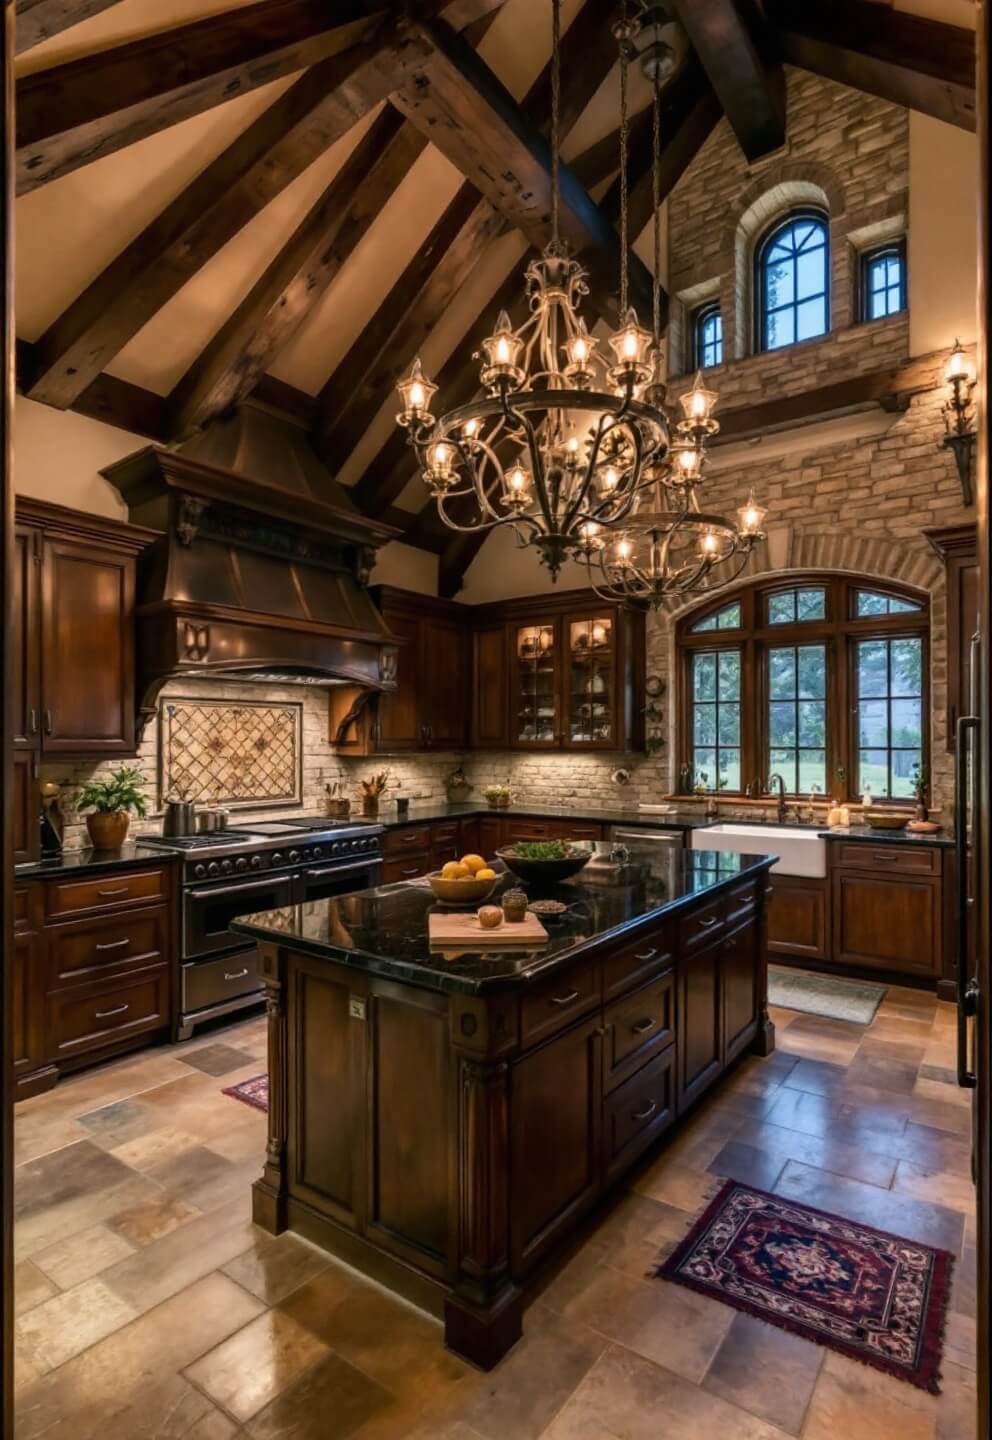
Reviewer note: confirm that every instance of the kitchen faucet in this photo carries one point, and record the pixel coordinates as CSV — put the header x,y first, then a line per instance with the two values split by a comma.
x,y
780,802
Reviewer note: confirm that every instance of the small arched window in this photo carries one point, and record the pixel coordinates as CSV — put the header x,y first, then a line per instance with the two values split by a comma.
x,y
707,337
792,281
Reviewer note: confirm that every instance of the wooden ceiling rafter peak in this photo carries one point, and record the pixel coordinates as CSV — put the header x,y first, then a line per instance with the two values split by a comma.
x,y
38,20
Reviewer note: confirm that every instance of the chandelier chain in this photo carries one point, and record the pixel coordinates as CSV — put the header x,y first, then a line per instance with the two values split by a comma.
x,y
624,65
555,118
656,204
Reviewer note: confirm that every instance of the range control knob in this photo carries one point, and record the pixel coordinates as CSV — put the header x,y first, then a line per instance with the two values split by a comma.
x,y
317,851
199,871
241,864
294,857
226,866
374,843
213,868
257,862
277,858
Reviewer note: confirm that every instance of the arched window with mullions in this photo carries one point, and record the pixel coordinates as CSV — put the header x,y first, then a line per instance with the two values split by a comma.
x,y
792,280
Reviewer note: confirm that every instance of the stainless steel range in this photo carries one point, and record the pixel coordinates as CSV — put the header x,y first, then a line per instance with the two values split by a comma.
x,y
239,872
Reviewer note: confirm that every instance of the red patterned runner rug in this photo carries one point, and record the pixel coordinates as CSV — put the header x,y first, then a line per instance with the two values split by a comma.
x,y
875,1297
253,1092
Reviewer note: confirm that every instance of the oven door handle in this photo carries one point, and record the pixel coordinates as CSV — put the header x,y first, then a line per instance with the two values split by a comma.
x,y
218,891
340,869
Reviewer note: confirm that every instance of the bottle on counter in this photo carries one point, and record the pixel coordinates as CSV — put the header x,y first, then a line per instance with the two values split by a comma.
x,y
866,799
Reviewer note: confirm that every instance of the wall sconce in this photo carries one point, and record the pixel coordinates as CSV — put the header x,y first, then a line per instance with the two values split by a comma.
x,y
959,418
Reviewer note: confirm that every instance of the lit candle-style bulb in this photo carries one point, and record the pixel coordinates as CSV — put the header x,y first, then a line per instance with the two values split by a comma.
x,y
750,518
611,477
699,402
470,429
625,551
958,365
415,393
709,544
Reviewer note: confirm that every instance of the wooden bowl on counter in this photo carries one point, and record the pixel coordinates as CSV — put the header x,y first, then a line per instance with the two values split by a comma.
x,y
876,821
546,872
466,891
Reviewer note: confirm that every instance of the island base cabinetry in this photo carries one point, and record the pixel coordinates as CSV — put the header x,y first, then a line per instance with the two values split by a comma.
x,y
447,1144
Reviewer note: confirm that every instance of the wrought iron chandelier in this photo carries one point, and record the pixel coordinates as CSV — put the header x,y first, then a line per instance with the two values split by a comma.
x,y
563,445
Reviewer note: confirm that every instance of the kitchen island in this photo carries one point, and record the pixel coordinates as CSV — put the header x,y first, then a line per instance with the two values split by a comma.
x,y
443,1121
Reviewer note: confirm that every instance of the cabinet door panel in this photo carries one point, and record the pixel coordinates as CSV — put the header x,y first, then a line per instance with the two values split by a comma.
x,y
444,684
535,702
589,650
797,917
490,836
738,991
398,722
554,1140
28,1002
327,1104
27,641
699,1023
87,657
888,922
637,1113
490,686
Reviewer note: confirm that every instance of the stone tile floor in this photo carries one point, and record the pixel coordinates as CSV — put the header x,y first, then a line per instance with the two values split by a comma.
x,y
150,1307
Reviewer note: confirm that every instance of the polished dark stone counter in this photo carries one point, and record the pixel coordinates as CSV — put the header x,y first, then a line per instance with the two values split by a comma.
x,y
384,930
861,834
606,815
88,861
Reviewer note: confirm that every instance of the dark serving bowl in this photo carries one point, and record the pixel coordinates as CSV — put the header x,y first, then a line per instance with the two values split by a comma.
x,y
544,872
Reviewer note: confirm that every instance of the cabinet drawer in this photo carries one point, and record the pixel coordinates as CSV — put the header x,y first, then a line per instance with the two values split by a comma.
x,y
900,859
407,868
446,834
555,1003
87,949
65,898
212,982
703,926
637,1112
401,842
25,898
638,1026
577,830
92,1016
637,961
514,830
740,904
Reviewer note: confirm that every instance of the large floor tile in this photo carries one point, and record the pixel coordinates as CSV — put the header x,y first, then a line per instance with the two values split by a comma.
x,y
66,1324
70,1262
898,1214
766,1371
856,1402
274,1266
248,1371
330,1401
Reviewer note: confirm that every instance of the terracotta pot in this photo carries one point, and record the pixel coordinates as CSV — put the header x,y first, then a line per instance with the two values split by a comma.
x,y
108,828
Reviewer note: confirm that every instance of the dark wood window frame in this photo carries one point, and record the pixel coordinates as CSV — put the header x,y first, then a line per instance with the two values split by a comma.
x,y
839,632
767,239
868,257
700,316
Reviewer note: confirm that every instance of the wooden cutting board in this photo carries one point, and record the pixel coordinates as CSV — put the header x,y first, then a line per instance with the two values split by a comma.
x,y
456,927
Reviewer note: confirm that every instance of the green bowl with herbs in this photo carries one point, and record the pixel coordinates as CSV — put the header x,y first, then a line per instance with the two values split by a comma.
x,y
544,861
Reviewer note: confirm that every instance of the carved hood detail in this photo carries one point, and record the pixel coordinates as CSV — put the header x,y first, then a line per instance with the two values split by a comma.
x,y
263,562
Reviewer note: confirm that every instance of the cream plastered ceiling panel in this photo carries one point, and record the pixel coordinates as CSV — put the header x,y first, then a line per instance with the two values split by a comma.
x,y
951,12
163,350
69,231
128,20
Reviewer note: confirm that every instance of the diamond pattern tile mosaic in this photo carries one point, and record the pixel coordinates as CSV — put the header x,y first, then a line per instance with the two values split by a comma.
x,y
234,752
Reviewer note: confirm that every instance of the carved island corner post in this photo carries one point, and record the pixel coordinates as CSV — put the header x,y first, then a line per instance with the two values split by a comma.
x,y
270,1191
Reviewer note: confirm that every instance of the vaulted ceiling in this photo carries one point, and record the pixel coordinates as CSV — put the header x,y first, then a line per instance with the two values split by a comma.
x,y
296,198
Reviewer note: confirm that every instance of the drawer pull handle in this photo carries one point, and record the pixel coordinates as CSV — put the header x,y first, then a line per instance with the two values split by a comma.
x,y
646,955
414,871
109,894
113,944
643,1026
882,859
568,999
237,975
706,921
647,1112
106,1014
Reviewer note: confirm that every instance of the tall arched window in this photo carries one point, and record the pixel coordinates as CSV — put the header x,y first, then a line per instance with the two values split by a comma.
x,y
822,679
792,281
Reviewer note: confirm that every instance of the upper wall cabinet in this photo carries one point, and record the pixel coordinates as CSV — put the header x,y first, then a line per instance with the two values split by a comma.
x,y
428,710
957,547
557,673
73,604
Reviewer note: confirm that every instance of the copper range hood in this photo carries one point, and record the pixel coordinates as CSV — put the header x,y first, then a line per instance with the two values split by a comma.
x,y
261,570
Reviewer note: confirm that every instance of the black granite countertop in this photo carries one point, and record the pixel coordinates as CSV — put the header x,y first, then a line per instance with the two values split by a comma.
x,y
606,815
384,931
862,834
88,861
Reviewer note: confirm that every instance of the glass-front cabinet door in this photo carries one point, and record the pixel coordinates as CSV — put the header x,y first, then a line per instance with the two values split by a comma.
x,y
590,691
535,667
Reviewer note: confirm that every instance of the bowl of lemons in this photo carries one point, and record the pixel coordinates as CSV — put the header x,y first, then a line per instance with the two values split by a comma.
x,y
464,882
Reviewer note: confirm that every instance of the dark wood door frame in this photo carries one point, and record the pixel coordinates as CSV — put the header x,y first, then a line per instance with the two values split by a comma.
x,y
6,726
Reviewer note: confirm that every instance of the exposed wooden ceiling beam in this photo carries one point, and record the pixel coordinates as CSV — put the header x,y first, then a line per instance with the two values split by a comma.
x,y
38,20
75,113
108,399
732,40
926,65
473,120
286,293
235,187
394,335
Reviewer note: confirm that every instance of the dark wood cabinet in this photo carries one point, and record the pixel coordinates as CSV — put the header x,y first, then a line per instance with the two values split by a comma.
x,y
739,996
798,915
887,922
25,803
428,710
957,547
490,690
700,1022
73,613
28,994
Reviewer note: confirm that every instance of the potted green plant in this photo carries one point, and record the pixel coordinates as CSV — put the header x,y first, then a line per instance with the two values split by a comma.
x,y
111,800
921,788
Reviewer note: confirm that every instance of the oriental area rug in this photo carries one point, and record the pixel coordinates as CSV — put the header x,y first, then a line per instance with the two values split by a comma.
x,y
872,1296
253,1092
